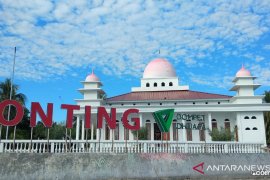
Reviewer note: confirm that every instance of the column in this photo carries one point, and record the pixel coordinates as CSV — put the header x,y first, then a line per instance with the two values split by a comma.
x,y
141,120
83,129
208,138
92,130
152,130
171,132
77,127
184,131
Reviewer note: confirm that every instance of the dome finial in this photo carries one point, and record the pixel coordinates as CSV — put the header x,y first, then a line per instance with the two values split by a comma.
x,y
243,72
92,77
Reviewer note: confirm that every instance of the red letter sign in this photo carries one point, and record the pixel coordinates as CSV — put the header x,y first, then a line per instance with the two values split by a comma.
x,y
136,120
87,117
102,113
70,109
46,119
17,118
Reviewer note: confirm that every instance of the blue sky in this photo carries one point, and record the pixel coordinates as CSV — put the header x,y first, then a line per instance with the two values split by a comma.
x,y
59,42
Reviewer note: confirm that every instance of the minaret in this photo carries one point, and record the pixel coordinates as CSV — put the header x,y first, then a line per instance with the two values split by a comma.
x,y
92,91
244,86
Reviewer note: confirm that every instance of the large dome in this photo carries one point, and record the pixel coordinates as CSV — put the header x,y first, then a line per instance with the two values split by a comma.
x,y
159,68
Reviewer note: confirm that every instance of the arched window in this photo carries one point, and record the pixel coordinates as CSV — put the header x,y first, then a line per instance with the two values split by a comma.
x,y
163,84
170,84
253,117
147,85
175,130
155,84
214,123
254,128
201,132
246,117
247,128
227,125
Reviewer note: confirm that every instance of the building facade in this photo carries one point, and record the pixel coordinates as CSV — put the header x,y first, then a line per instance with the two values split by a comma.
x,y
196,114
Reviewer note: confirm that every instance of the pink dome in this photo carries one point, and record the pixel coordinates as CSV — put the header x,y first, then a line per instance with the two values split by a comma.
x,y
92,77
159,68
243,72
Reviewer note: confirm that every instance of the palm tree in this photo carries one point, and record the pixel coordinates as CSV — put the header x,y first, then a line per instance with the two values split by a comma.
x,y
5,88
267,117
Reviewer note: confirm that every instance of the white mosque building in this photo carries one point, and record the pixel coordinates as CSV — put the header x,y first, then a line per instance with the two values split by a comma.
x,y
160,89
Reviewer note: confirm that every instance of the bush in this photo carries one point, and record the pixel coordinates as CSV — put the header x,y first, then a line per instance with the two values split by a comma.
x,y
221,135
142,133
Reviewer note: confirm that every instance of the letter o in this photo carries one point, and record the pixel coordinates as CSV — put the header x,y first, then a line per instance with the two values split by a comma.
x,y
17,118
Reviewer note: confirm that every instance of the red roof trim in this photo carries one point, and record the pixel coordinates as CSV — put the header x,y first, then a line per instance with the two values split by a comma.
x,y
166,95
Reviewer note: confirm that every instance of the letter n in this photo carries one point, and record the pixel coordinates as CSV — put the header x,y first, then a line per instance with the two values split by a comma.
x,y
37,109
111,120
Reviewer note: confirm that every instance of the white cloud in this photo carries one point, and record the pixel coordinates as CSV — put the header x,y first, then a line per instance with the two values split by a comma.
x,y
120,37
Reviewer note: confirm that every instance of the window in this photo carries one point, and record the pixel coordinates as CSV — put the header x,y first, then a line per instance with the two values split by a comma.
x,y
175,131
160,104
218,102
189,131
147,85
155,84
214,123
193,103
246,117
126,134
116,131
202,133
148,104
170,84
253,117
206,102
107,133
254,128
163,84
227,125
247,128
148,127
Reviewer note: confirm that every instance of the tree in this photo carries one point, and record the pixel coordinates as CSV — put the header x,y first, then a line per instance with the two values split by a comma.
x,y
267,117
5,88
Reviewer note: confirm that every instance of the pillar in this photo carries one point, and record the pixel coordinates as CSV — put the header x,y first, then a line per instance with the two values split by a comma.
x,y
208,138
83,129
141,120
184,131
171,132
92,130
152,130
77,127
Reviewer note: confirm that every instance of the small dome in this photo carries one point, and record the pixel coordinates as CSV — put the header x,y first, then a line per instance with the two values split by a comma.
x,y
92,77
159,68
243,72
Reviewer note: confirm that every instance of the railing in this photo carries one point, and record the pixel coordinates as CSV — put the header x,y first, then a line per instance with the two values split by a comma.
x,y
80,146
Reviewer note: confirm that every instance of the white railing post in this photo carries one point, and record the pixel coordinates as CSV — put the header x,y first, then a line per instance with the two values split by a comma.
x,y
186,148
225,148
1,147
52,147
145,147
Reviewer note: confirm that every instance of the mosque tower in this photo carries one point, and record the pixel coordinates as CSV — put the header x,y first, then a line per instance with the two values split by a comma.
x,y
244,86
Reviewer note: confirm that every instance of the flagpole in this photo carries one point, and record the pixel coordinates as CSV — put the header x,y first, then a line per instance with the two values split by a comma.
x,y
11,88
